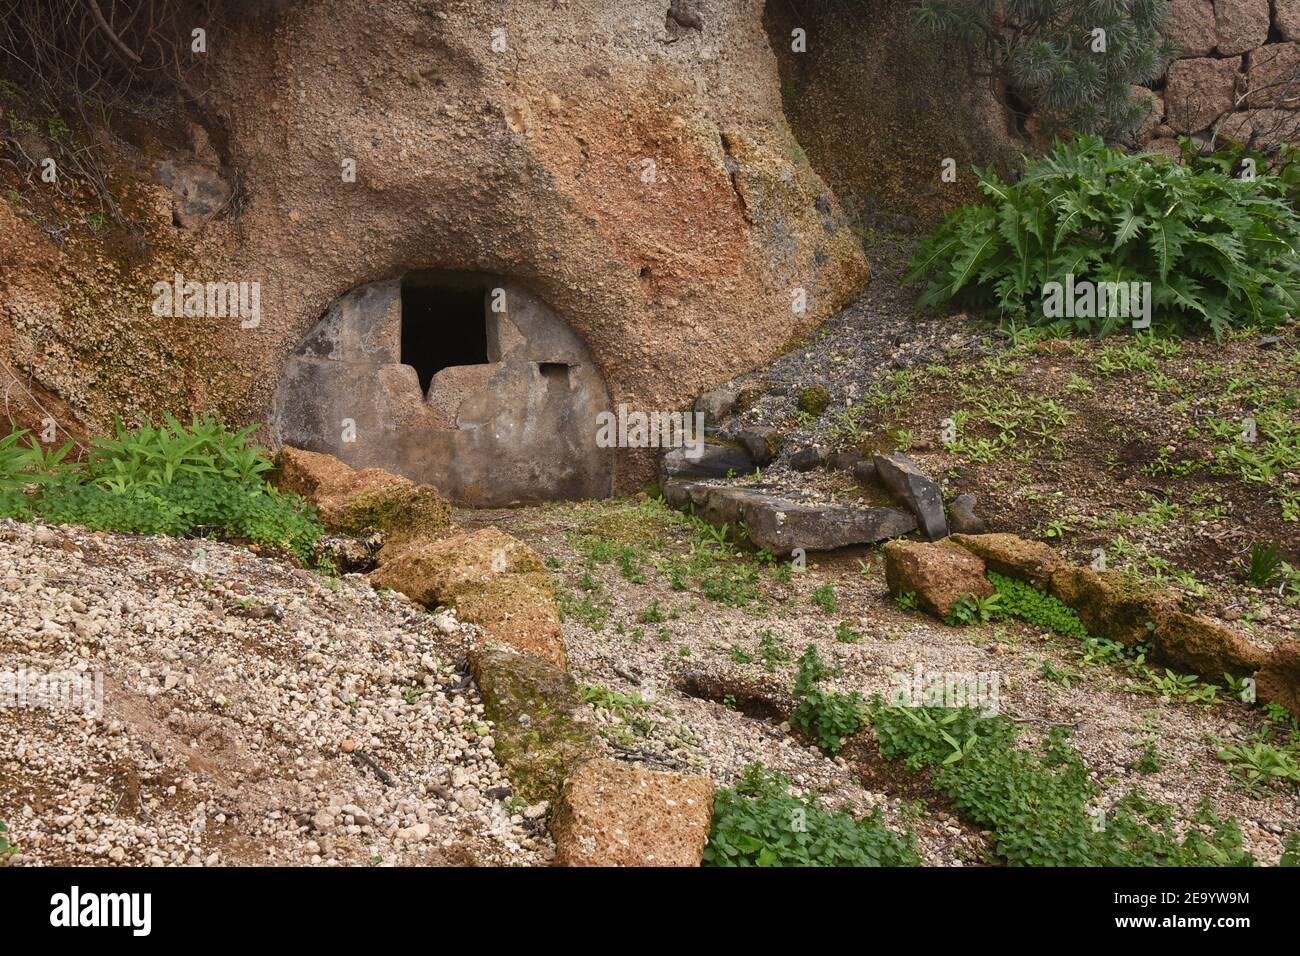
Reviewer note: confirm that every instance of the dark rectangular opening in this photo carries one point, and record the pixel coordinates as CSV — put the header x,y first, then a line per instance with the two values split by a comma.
x,y
442,326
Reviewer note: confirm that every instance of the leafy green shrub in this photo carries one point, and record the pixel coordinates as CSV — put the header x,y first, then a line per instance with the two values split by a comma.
x,y
827,716
1024,601
1049,52
1036,802
759,822
24,464
150,455
1218,251
176,480
5,849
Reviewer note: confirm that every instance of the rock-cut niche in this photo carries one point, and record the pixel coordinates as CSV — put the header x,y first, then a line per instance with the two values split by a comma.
x,y
465,381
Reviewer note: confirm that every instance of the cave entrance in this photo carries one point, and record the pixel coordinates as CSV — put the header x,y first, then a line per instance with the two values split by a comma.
x,y
468,381
444,324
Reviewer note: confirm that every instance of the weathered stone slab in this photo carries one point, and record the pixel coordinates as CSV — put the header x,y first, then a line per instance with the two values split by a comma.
x,y
532,705
899,474
781,524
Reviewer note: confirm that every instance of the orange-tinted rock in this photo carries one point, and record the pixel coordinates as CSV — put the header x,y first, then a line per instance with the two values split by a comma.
x,y
617,814
938,573
1014,556
490,578
1279,679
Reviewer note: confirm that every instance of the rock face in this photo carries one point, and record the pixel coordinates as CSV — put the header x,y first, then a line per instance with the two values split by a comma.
x,y
904,480
1274,76
1191,25
962,518
875,107
1241,25
533,706
1286,17
780,524
640,182
615,814
1199,91
937,573
490,578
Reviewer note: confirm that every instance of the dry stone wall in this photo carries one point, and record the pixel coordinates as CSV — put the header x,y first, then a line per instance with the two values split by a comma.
x,y
1237,76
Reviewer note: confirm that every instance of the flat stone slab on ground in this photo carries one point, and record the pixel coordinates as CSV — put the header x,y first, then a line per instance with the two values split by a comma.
x,y
782,524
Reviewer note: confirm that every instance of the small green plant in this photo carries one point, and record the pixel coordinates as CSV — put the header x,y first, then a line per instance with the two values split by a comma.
x,y
846,633
5,849
824,598
652,614
1266,561
1021,600
773,652
827,716
906,600
1150,761
1259,764
1290,850
971,609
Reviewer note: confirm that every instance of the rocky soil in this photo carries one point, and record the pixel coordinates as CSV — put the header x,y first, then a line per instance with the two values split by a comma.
x,y
252,714
718,702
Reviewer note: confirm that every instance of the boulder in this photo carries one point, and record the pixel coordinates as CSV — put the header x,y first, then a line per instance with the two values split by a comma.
x,y
781,524
962,518
1191,25
1199,91
762,444
938,573
1112,604
807,458
814,399
1273,76
360,503
718,403
905,481
1155,112
1241,25
199,192
865,472
1279,679
1193,644
712,461
1014,557
844,460
617,814
534,707
490,578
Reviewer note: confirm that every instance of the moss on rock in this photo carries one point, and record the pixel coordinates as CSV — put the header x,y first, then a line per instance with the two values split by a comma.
x,y
532,705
